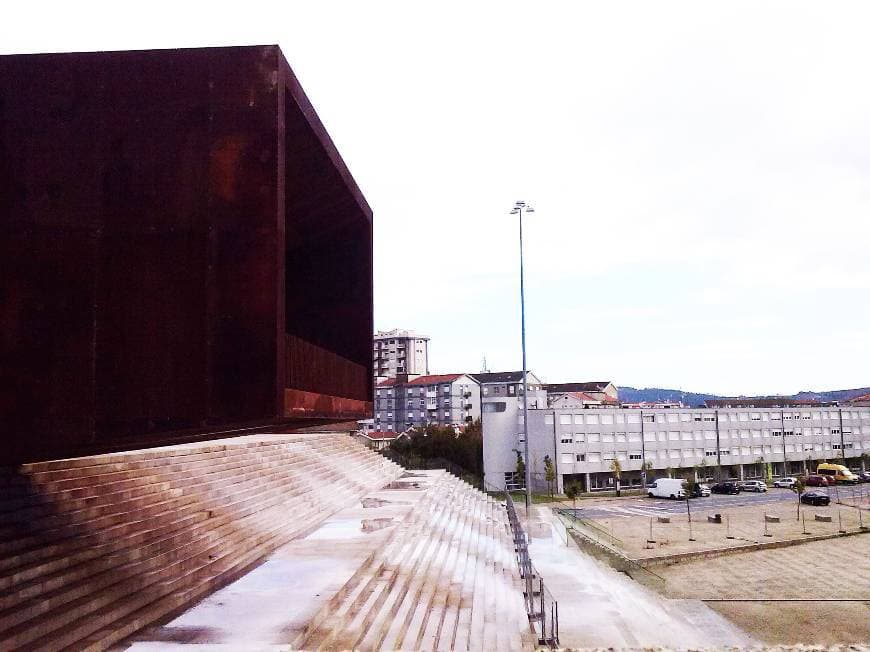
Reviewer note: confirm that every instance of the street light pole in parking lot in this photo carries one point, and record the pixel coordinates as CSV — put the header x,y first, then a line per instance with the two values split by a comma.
x,y
518,209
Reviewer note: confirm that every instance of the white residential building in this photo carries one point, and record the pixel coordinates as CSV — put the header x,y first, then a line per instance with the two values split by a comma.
x,y
444,400
711,443
400,352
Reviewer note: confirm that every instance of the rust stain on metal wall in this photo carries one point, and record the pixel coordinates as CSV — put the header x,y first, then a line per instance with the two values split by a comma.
x,y
146,287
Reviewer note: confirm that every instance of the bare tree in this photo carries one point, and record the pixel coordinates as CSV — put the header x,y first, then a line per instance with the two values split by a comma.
x,y
799,487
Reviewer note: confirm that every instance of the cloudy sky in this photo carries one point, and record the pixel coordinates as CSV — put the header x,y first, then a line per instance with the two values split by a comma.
x,y
701,172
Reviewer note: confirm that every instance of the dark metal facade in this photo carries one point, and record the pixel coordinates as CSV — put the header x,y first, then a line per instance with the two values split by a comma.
x,y
182,250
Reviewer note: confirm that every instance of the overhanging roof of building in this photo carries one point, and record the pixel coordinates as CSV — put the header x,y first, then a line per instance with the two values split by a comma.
x,y
502,377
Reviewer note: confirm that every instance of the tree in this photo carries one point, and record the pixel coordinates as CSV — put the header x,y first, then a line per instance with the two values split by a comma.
x,y
521,468
669,472
701,470
799,487
549,473
760,463
571,491
616,467
689,486
646,467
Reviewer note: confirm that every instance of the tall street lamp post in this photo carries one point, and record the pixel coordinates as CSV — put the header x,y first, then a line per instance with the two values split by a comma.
x,y
519,208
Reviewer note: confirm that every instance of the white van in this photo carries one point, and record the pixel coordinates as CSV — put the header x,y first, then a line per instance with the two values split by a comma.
x,y
666,488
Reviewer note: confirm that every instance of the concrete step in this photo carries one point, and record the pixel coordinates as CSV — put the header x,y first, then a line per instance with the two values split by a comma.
x,y
183,483
52,587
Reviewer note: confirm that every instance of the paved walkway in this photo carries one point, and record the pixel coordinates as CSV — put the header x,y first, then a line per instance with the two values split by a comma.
x,y
267,608
599,607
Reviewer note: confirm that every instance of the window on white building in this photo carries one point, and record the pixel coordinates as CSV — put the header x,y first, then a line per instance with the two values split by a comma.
x,y
565,419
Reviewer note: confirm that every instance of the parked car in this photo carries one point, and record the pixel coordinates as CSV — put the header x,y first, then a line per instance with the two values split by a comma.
x,y
752,485
700,490
864,476
725,488
817,481
786,483
816,498
666,488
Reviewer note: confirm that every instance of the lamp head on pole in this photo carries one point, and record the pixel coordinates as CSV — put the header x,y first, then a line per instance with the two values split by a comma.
x,y
520,207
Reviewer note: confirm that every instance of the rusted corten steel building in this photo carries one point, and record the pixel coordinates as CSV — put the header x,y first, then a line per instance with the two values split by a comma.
x,y
182,251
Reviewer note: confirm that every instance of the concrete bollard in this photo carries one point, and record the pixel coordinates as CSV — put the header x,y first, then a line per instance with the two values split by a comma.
x,y
664,519
771,519
716,518
824,519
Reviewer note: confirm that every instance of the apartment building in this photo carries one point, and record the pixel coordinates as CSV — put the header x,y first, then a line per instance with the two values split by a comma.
x,y
703,442
400,352
501,396
444,400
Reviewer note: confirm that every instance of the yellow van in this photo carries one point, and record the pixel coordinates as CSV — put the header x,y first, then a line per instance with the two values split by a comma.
x,y
837,471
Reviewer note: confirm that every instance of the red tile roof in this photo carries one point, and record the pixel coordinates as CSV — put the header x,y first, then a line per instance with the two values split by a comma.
x,y
389,382
382,434
434,380
581,396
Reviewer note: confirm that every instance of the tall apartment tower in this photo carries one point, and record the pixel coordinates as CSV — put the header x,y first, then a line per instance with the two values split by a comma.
x,y
400,352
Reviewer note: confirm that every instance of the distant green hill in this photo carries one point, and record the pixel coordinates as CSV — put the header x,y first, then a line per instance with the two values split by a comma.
x,y
654,394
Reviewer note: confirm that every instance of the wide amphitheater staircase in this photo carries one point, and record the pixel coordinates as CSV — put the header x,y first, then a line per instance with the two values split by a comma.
x,y
444,579
94,549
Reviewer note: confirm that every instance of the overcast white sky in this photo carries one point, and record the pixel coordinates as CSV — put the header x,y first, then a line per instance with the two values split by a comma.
x,y
701,172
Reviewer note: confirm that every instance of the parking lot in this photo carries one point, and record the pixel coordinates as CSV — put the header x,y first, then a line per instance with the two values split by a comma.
x,y
644,506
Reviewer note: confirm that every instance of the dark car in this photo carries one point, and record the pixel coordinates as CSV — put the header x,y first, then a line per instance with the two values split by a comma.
x,y
700,490
816,498
817,481
725,488
864,476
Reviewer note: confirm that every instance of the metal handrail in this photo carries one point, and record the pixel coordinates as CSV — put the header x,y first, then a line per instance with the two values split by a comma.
x,y
541,607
